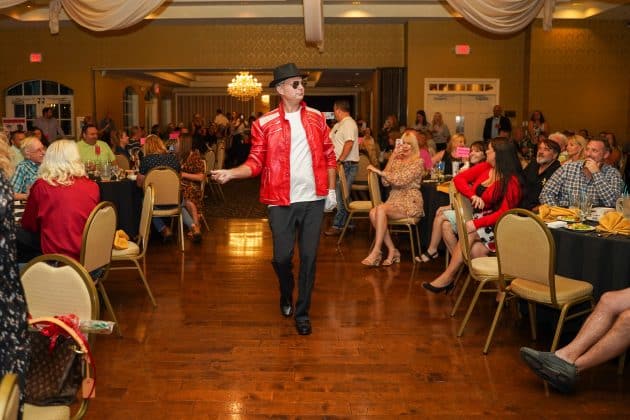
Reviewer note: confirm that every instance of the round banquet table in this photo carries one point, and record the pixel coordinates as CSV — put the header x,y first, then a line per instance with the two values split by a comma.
x,y
127,197
603,261
433,200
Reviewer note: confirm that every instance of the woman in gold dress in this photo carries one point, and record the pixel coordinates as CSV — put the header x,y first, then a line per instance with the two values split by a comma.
x,y
403,173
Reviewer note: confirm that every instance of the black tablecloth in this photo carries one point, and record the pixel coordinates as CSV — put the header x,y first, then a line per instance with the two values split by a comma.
x,y
127,197
433,200
602,261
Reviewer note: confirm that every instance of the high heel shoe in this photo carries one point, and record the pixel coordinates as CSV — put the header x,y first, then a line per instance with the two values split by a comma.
x,y
373,263
394,259
446,289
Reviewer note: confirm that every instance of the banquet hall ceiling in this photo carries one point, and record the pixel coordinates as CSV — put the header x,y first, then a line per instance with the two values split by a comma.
x,y
270,11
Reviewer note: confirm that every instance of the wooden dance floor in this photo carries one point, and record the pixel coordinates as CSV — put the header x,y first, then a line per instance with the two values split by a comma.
x,y
217,347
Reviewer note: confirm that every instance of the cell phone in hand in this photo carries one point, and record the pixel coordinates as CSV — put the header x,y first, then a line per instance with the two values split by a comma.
x,y
399,142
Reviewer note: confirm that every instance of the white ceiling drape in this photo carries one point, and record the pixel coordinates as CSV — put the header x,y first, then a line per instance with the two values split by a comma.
x,y
504,16
97,15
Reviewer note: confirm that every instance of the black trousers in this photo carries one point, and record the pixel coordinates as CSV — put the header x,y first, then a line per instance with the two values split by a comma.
x,y
301,221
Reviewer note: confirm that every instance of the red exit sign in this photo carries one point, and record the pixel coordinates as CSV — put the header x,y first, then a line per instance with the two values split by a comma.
x,y
35,57
462,49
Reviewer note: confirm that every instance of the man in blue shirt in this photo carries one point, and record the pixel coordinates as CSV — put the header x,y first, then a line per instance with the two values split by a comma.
x,y
26,171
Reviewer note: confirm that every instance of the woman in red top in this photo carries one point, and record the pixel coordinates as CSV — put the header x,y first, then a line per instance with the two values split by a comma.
x,y
493,187
60,201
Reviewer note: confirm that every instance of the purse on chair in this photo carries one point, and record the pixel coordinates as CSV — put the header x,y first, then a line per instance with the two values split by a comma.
x,y
55,372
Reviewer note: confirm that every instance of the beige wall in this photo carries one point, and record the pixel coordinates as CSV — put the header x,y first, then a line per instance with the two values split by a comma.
x,y
430,53
577,73
580,75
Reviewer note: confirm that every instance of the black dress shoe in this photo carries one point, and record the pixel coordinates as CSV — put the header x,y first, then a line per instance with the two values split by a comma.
x,y
303,327
286,308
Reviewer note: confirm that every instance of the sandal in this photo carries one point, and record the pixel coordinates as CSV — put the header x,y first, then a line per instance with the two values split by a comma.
x,y
394,259
426,257
373,262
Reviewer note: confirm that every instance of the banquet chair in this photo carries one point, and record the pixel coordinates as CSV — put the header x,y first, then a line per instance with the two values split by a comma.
x,y
9,397
209,158
360,184
122,162
57,285
484,270
167,193
358,209
96,249
407,225
136,252
537,283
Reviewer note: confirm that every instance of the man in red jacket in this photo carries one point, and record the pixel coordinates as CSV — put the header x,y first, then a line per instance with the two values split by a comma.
x,y
293,154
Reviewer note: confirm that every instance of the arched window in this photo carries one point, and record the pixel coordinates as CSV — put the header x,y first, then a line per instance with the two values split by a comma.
x,y
130,108
27,100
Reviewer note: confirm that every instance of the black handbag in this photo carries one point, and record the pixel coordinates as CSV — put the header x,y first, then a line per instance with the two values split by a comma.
x,y
55,373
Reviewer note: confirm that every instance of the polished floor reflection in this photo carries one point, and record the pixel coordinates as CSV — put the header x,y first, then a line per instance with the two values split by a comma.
x,y
217,347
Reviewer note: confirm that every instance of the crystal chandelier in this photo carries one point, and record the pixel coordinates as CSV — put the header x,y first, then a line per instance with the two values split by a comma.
x,y
244,86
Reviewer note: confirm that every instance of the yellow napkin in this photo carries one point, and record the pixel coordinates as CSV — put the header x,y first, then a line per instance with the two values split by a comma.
x,y
121,240
552,212
444,187
614,222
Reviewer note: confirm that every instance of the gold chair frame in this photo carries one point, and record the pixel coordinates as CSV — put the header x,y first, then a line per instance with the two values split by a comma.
x,y
357,209
512,228
136,252
166,183
9,397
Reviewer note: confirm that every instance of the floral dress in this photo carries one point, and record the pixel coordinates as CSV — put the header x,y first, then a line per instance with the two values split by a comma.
x,y
191,190
13,325
405,176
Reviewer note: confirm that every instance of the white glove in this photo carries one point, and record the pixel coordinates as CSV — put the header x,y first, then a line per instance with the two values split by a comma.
x,y
331,201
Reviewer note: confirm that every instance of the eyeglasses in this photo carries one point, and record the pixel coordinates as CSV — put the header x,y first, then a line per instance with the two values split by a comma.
x,y
296,83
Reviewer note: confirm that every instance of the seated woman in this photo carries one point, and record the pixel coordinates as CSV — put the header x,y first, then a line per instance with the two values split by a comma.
x,y
192,176
449,155
155,154
576,145
444,221
493,187
404,173
60,202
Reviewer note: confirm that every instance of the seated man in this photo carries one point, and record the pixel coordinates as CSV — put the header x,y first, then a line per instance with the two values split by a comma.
x,y
93,149
591,176
26,171
604,335
539,171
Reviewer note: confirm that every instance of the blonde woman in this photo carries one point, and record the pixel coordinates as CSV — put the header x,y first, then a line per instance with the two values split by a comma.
x,y
404,173
449,155
440,131
575,148
60,201
370,147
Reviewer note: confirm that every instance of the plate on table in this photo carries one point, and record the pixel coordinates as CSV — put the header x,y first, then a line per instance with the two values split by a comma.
x,y
580,227
598,212
568,219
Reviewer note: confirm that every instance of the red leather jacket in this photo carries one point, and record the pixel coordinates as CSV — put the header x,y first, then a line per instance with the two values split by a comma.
x,y
271,149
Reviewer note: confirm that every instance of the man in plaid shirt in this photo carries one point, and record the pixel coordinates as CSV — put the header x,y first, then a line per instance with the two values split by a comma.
x,y
26,171
591,176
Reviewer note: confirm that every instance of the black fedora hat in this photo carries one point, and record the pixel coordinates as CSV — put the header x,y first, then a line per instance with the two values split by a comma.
x,y
284,72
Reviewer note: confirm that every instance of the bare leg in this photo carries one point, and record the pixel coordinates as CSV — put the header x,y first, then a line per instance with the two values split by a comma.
x,y
379,217
604,335
192,209
457,259
449,237
436,232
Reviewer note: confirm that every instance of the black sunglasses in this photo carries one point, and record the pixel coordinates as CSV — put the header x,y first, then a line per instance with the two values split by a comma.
x,y
297,83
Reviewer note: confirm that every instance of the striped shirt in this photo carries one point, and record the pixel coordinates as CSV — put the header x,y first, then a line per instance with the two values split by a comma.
x,y
24,176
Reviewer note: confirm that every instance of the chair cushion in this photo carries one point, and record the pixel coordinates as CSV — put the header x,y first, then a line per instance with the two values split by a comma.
x,y
360,205
172,211
404,221
567,290
484,268
49,412
133,250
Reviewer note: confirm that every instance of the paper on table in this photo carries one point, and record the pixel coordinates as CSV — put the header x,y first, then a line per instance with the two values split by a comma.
x,y
557,224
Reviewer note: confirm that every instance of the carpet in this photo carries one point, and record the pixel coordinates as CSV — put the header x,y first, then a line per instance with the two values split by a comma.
x,y
241,201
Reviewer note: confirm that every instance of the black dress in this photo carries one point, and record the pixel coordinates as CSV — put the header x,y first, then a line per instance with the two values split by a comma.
x,y
13,324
